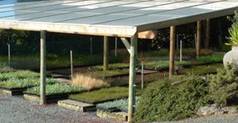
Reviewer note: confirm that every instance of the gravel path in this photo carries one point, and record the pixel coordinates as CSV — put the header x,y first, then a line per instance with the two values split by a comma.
x,y
17,110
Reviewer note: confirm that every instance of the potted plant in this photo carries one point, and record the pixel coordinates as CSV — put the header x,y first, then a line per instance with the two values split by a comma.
x,y
231,57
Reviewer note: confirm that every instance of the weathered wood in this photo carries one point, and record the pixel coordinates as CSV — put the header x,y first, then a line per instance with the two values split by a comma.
x,y
126,44
42,67
198,38
105,53
132,78
172,50
207,39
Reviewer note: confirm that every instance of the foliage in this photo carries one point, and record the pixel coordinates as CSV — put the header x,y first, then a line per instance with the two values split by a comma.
x,y
223,87
22,74
233,31
57,88
23,83
202,69
104,94
163,64
162,101
121,104
215,58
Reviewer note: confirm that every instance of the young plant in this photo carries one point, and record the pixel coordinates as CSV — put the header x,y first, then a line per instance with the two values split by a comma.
x,y
233,31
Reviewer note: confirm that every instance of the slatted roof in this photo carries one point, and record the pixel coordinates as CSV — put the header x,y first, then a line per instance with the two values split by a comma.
x,y
108,17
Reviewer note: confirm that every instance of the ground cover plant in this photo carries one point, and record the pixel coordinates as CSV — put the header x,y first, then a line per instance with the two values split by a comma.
x,y
202,69
21,74
112,66
23,83
55,89
118,105
102,95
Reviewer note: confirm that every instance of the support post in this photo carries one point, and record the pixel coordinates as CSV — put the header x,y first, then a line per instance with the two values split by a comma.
x,y
105,53
172,51
91,46
142,75
116,41
71,64
181,51
132,78
9,54
207,41
42,67
198,39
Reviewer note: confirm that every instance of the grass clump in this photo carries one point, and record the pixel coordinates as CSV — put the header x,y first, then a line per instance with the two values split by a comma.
x,y
88,82
202,69
55,89
104,94
215,58
163,101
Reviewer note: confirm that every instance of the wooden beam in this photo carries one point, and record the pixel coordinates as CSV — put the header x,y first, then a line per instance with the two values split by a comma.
x,y
198,38
207,40
126,44
172,51
132,78
105,53
42,67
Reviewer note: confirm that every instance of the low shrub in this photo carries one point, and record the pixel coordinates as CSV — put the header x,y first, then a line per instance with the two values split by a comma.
x,y
57,88
223,86
88,82
215,58
202,69
165,101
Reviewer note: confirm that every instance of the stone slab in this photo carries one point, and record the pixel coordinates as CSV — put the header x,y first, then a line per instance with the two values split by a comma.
x,y
76,105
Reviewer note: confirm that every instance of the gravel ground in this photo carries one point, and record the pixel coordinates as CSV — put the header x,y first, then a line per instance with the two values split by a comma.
x,y
17,110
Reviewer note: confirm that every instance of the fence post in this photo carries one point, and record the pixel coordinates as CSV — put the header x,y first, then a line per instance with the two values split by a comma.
x,y
71,64
116,46
181,51
142,75
9,54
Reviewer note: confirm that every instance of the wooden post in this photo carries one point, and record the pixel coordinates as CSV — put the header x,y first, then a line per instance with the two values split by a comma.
x,y
172,51
71,64
142,75
181,51
207,41
116,39
9,54
91,45
105,53
198,39
132,78
42,67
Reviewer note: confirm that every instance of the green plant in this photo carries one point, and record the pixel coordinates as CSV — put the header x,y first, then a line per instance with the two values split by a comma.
x,y
22,74
23,83
223,86
57,88
165,101
104,94
233,31
121,104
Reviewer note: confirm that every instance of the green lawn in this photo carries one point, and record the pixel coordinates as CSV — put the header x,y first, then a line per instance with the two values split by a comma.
x,y
101,95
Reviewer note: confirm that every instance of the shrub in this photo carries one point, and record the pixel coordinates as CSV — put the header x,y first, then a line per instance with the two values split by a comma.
x,y
223,87
233,31
162,101
88,82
